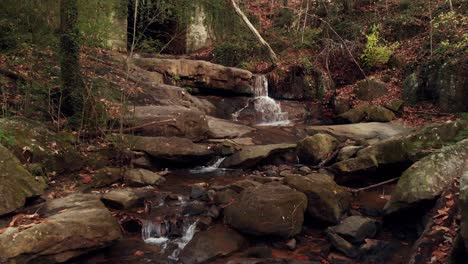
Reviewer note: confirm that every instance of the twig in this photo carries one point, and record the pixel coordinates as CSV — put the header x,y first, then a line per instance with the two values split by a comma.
x,y
355,191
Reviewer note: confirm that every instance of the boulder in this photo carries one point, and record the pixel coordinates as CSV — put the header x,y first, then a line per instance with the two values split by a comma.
x,y
298,82
316,148
215,242
172,149
201,74
250,156
142,177
361,132
16,183
169,121
327,201
403,149
127,198
267,210
221,128
356,228
370,89
427,178
396,105
368,113
443,82
69,227
32,142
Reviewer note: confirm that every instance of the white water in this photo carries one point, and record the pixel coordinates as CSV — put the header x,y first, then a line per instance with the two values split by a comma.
x,y
153,234
209,168
268,111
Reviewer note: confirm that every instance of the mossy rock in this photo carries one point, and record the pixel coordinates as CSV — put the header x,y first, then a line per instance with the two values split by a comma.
x,y
427,178
316,148
369,113
370,89
405,149
327,201
32,142
16,183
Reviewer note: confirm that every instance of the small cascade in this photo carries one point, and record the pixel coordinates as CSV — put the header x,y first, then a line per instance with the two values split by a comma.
x,y
210,168
159,234
267,110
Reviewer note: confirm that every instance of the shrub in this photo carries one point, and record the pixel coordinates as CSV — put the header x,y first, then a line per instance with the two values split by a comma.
x,y
376,54
233,54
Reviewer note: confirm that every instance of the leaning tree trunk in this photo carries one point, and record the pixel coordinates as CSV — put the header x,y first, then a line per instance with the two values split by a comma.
x,y
273,57
72,82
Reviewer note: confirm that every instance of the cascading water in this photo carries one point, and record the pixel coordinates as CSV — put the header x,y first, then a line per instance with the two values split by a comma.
x,y
267,110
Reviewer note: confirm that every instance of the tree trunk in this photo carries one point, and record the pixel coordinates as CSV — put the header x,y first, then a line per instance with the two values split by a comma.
x,y
72,82
273,57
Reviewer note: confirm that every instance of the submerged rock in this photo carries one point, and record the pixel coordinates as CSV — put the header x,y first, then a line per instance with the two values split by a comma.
x,y
368,113
327,201
427,178
267,210
316,148
250,156
70,227
16,183
215,242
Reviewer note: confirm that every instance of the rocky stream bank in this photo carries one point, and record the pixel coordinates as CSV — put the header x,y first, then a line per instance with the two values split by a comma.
x,y
225,174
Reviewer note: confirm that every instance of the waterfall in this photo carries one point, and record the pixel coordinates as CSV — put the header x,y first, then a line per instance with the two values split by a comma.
x,y
267,111
209,168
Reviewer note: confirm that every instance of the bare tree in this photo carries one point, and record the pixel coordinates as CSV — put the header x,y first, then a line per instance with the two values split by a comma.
x,y
273,57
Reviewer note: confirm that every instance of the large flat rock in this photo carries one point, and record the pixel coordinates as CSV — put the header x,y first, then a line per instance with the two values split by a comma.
x,y
169,121
201,74
366,132
221,128
69,227
172,149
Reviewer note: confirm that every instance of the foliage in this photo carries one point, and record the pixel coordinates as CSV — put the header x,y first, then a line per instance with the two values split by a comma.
x,y
234,54
6,139
450,33
376,54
